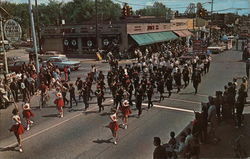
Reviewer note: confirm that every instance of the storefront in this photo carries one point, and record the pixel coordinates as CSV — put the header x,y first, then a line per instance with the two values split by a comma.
x,y
82,39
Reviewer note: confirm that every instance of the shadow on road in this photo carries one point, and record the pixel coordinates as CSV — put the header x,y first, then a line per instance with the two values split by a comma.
x,y
13,148
50,115
75,110
101,141
90,112
105,114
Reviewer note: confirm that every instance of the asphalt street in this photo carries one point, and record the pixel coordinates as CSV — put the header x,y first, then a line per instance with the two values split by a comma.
x,y
83,135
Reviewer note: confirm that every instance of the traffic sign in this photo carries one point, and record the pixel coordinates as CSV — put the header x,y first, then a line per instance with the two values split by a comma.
x,y
89,43
66,42
105,42
12,30
73,42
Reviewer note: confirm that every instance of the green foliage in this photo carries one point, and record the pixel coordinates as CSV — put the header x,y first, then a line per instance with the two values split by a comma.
x,y
158,9
76,11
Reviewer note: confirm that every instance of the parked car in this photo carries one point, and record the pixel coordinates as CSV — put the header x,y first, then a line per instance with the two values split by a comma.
x,y
49,54
16,66
10,60
216,49
61,62
32,50
6,45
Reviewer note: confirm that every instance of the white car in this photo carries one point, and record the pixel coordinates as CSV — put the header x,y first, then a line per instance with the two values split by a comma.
x,y
49,54
216,49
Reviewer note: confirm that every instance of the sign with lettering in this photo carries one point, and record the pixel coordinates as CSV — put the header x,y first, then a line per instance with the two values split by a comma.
x,y
12,30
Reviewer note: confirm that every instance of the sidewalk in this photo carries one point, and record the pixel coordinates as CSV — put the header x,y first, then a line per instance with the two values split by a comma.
x,y
227,133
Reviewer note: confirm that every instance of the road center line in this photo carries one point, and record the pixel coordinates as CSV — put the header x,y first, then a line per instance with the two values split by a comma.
x,y
93,108
182,100
172,108
51,127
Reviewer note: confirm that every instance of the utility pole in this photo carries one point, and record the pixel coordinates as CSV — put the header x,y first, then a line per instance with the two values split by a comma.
x,y
2,35
38,26
4,51
96,24
34,35
212,8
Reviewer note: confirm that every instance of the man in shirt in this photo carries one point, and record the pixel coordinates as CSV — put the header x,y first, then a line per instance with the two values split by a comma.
x,y
159,152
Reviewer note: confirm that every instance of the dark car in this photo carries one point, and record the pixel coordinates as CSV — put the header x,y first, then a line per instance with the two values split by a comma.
x,y
16,66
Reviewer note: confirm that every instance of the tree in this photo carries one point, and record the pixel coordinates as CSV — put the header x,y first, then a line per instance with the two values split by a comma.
x,y
76,11
109,10
51,13
158,9
19,12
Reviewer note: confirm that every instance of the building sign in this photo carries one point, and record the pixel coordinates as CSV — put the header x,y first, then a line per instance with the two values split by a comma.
x,y
146,28
89,43
73,42
12,30
179,24
105,42
66,42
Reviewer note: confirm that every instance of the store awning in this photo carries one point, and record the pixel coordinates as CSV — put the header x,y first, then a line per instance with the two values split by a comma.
x,y
183,33
151,38
180,33
187,33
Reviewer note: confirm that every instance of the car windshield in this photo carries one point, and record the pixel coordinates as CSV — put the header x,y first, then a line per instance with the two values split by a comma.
x,y
65,59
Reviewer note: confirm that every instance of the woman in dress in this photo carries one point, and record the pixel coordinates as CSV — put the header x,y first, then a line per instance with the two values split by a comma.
x,y
113,125
126,112
59,104
27,114
17,127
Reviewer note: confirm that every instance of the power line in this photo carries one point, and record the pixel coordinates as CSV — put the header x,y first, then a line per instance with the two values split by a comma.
x,y
226,9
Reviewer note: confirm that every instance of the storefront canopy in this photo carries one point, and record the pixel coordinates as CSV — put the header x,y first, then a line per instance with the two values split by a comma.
x,y
183,33
151,38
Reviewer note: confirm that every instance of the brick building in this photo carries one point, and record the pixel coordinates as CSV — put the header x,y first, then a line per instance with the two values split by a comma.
x,y
143,31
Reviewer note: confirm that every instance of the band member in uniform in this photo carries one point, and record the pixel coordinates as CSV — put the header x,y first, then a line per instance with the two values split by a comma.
x,y
27,114
60,104
85,97
17,127
196,79
113,125
169,84
150,92
126,112
130,91
72,94
177,78
160,88
64,89
139,96
185,74
79,85
100,98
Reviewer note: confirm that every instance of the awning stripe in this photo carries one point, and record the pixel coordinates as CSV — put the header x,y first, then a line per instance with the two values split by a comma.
x,y
151,38
183,33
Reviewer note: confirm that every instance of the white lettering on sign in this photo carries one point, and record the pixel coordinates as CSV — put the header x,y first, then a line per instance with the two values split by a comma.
x,y
12,30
